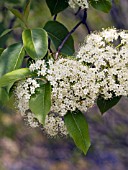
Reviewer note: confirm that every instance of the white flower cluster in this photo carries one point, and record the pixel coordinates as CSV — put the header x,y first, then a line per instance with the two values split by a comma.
x,y
39,67
23,91
81,3
100,68
73,86
54,125
107,53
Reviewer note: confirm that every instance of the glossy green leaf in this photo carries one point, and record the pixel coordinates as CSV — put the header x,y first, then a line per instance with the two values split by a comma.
x,y
78,129
4,97
102,5
11,58
14,76
57,32
27,10
40,102
105,105
56,6
35,42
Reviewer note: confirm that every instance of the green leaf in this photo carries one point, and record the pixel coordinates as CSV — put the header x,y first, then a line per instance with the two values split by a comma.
x,y
27,10
35,42
78,129
17,14
57,32
4,38
14,76
11,58
5,32
1,50
105,105
56,6
40,102
4,97
102,5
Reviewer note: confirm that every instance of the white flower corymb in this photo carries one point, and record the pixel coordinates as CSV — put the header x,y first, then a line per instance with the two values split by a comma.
x,y
107,53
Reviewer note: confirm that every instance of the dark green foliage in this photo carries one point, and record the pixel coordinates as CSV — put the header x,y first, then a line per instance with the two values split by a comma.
x,y
11,58
105,105
3,96
57,32
14,76
78,129
1,50
3,39
56,6
101,5
40,102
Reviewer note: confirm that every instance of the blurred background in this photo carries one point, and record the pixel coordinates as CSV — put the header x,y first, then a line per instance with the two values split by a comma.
x,y
24,148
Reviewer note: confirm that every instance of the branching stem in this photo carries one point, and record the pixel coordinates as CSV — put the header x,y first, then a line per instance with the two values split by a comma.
x,y
66,38
83,21
79,9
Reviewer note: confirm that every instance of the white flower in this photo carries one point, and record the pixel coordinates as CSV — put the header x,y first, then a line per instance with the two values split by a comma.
x,y
81,3
39,66
23,91
73,86
54,125
31,119
107,53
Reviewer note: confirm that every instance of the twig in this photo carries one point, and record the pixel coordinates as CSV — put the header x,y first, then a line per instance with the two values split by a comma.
x,y
83,21
49,46
66,38
54,18
79,9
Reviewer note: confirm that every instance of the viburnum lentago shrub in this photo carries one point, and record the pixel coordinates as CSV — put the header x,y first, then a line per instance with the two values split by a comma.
x,y
100,68
107,53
